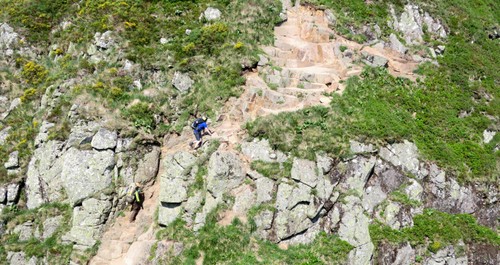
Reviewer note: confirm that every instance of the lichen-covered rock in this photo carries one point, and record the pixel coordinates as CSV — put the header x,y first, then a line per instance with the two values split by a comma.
x,y
43,133
396,44
87,223
13,192
24,230
43,182
4,133
148,166
104,40
225,172
182,82
82,132
13,161
305,171
244,199
104,139
3,195
50,226
261,150
265,187
86,172
211,13
353,228
360,148
404,155
19,258
210,204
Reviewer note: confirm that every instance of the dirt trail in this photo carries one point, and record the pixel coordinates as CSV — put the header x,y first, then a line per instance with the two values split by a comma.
x,y
308,54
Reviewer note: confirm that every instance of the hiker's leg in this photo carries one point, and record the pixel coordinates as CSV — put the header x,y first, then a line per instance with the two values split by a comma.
x,y
134,213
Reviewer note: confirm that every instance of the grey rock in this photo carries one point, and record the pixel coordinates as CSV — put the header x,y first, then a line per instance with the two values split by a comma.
x,y
148,166
3,104
210,204
417,58
374,60
360,148
182,82
244,199
358,172
87,223
283,196
104,139
414,190
13,190
265,189
191,206
263,222
304,238
165,249
19,258
43,134
396,44
301,193
404,155
82,132
262,60
289,223
211,14
13,161
488,136
3,195
305,171
167,213
24,230
123,144
353,228
373,196
440,49
4,133
173,191
8,37
50,225
43,182
387,176
86,172
324,163
390,215
261,150
225,172
330,17
104,40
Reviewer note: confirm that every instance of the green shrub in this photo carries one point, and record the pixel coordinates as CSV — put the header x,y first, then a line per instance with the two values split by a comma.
x,y
141,115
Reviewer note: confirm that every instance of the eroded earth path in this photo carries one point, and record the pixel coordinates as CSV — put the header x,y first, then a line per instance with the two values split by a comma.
x,y
307,60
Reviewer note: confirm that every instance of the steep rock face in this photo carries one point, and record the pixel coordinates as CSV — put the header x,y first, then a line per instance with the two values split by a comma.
x,y
225,172
86,172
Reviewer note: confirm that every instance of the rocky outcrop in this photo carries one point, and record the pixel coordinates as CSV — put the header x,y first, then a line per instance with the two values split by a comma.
x,y
225,172
182,82
414,23
87,222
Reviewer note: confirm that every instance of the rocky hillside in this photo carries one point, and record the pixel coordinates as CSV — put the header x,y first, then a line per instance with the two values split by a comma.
x,y
345,132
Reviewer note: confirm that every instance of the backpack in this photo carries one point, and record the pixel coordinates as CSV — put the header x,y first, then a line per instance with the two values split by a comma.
x,y
196,123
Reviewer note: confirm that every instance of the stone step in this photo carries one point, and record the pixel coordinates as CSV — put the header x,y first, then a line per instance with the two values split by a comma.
x,y
276,97
287,30
314,74
269,111
291,63
297,92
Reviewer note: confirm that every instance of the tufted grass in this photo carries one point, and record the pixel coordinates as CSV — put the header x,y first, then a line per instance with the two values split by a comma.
x,y
235,244
52,247
434,229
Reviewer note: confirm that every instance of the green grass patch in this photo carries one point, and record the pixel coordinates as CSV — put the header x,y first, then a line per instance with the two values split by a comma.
x,y
273,170
235,244
437,229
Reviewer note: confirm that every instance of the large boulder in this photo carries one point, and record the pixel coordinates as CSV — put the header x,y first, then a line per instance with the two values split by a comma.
x,y
225,172
261,150
182,82
88,220
305,171
86,172
43,181
148,166
404,155
104,139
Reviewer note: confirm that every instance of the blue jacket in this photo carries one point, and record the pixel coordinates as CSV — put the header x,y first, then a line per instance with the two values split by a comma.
x,y
201,127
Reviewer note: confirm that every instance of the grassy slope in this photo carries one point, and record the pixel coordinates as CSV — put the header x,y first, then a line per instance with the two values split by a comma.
x,y
382,109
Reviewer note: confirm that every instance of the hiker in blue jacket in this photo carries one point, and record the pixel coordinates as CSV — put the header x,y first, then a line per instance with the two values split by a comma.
x,y
200,127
